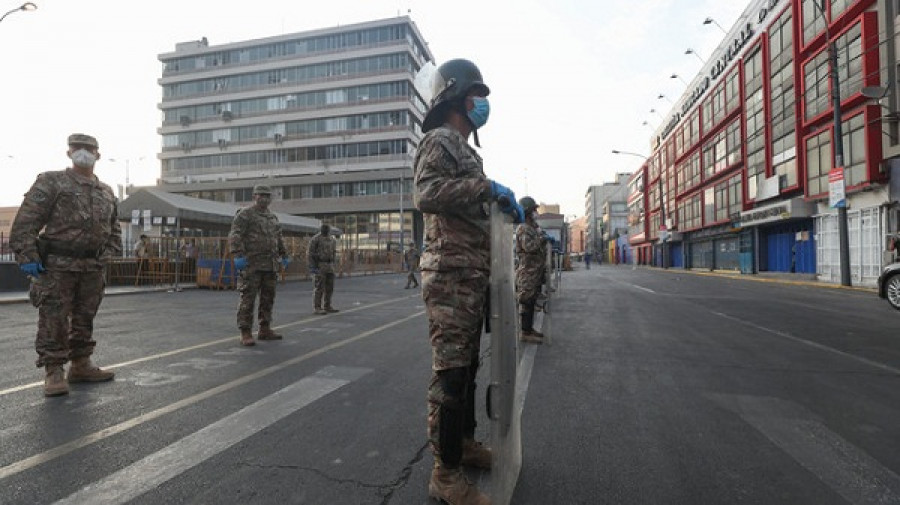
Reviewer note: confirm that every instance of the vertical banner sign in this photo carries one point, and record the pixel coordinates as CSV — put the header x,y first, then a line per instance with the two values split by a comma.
x,y
836,193
135,217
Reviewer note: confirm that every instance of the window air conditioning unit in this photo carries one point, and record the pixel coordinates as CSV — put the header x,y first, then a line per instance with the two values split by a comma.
x,y
223,143
186,146
279,138
185,120
227,115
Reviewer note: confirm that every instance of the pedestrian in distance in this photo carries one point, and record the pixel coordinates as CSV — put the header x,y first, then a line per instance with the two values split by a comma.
x,y
142,251
411,257
530,269
63,235
587,261
258,250
321,256
454,195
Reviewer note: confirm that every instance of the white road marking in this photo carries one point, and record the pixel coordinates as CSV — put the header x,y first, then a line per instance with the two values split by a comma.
x,y
810,343
642,288
78,443
152,471
842,466
4,392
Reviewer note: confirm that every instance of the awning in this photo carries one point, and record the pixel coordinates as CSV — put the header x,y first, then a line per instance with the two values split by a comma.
x,y
196,212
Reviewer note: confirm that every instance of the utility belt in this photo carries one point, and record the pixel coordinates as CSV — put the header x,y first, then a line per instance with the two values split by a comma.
x,y
47,247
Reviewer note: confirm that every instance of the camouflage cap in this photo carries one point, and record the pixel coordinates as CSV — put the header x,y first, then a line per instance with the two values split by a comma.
x,y
80,139
262,189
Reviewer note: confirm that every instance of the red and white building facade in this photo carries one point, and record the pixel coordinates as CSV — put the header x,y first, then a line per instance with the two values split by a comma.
x,y
738,176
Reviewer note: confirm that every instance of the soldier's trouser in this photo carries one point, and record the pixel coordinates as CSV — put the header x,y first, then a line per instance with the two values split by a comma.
x,y
454,303
324,287
249,285
526,312
67,303
411,278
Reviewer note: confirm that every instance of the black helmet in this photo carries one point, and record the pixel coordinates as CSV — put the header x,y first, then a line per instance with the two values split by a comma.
x,y
528,204
452,82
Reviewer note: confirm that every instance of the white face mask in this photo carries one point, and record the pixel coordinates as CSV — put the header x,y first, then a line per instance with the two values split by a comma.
x,y
83,158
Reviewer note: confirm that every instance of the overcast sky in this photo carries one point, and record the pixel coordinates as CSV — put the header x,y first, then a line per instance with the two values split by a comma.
x,y
570,79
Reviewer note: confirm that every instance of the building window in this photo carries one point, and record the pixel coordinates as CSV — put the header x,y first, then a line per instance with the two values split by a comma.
x,y
709,206
735,197
815,85
850,61
813,20
854,144
755,123
818,163
721,202
784,149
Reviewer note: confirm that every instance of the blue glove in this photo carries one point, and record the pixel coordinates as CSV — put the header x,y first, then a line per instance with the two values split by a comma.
x,y
240,263
285,261
314,270
499,191
32,269
546,237
517,213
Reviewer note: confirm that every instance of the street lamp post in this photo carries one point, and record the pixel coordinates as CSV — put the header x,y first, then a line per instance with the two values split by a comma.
x,y
676,76
27,6
694,52
711,21
843,232
127,170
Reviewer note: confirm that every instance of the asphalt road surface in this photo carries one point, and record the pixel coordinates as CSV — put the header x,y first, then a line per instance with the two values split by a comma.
x,y
659,387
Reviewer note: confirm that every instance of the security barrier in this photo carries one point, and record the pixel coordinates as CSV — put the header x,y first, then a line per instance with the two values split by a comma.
x,y
207,263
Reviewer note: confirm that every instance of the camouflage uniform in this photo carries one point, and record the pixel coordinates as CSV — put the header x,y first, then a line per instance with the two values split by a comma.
x,y
256,235
453,193
532,258
81,232
321,255
411,257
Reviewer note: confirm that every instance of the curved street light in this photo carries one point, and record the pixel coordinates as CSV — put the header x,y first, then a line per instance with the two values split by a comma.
x,y
27,6
661,96
711,21
676,76
694,52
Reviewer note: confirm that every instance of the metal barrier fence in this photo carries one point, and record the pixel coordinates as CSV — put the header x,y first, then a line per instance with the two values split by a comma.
x,y
207,262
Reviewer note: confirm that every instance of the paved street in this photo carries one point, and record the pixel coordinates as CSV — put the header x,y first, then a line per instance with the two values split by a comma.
x,y
660,387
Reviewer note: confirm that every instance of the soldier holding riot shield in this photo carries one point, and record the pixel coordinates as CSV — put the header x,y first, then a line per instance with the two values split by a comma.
x,y
453,193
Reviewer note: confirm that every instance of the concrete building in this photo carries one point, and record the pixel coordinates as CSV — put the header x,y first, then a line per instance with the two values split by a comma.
x,y
596,197
741,171
7,215
328,118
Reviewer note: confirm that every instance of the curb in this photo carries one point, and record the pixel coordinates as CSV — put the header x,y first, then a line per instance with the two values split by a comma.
x,y
753,278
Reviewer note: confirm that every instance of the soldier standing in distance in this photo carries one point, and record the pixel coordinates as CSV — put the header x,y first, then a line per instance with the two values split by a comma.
x,y
454,195
257,248
63,235
321,257
530,269
411,257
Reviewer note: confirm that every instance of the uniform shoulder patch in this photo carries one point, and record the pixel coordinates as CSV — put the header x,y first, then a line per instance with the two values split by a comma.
x,y
37,196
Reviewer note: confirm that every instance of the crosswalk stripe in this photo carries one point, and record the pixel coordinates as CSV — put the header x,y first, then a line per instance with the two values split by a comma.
x,y
14,389
842,466
86,440
169,462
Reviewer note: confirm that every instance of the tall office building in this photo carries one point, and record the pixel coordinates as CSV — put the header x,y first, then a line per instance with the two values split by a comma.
x,y
328,118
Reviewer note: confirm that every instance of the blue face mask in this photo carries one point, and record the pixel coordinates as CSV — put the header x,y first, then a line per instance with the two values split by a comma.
x,y
480,112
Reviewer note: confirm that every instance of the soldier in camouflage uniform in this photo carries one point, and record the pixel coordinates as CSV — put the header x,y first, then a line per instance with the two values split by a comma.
x,y
411,257
258,251
530,269
454,195
321,256
63,235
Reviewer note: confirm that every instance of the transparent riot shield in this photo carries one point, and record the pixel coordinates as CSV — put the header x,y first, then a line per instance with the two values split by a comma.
x,y
549,292
502,408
